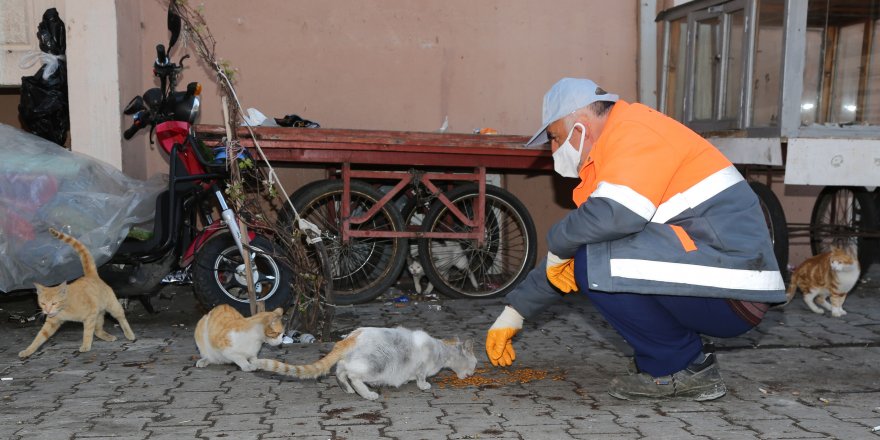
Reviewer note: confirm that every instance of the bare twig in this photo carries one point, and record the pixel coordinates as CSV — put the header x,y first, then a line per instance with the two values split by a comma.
x,y
253,193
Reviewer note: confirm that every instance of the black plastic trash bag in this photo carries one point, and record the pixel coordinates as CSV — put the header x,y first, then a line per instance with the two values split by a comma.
x,y
296,121
43,108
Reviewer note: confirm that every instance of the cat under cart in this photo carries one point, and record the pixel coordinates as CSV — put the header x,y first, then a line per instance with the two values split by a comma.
x,y
825,279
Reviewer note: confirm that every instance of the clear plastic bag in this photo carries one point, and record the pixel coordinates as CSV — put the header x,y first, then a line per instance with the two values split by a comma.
x,y
43,186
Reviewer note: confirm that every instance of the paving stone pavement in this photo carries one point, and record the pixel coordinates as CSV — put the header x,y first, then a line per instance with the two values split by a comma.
x,y
797,376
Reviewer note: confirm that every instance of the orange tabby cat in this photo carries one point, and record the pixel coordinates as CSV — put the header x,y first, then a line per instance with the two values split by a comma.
x,y
829,275
224,336
84,300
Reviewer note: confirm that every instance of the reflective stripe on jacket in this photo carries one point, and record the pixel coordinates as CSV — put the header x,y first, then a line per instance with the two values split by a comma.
x,y
662,211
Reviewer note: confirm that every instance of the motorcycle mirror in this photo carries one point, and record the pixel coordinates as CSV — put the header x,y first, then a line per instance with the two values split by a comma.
x,y
173,24
135,105
153,98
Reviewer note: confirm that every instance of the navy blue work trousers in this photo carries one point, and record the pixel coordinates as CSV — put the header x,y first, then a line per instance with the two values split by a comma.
x,y
663,330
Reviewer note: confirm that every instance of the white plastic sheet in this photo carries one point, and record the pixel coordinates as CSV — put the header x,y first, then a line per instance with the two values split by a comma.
x,y
43,185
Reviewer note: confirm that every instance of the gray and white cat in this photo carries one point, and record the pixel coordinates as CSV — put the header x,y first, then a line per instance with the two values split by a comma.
x,y
384,356
450,253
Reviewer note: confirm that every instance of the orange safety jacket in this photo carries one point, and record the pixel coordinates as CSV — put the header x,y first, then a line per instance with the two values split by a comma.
x,y
661,211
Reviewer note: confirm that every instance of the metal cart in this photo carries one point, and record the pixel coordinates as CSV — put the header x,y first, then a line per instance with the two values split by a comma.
x,y
391,197
786,87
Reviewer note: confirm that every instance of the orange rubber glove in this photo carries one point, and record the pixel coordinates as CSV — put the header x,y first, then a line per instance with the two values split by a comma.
x,y
498,345
560,273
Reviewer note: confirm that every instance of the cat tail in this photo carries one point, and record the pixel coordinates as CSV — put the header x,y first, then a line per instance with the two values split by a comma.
x,y
314,370
792,289
88,263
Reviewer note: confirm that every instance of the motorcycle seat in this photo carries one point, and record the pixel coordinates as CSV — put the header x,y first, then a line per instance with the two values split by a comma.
x,y
160,231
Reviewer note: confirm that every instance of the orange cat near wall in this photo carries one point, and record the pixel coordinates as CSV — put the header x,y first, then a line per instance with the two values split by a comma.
x,y
84,300
827,276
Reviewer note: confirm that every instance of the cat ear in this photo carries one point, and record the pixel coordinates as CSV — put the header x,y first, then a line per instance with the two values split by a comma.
x,y
469,345
279,311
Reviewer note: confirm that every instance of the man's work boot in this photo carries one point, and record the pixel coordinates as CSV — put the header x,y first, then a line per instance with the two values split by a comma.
x,y
700,381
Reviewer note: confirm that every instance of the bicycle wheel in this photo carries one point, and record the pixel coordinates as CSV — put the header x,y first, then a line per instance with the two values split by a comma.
x,y
776,224
365,267
460,268
840,215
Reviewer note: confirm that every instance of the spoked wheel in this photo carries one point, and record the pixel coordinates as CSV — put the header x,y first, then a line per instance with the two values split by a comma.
x,y
364,267
841,215
776,224
219,276
461,268
419,201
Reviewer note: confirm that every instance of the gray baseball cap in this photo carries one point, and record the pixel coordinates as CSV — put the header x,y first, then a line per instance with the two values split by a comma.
x,y
566,96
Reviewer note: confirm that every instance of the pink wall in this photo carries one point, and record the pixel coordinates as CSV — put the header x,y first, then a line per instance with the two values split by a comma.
x,y
403,65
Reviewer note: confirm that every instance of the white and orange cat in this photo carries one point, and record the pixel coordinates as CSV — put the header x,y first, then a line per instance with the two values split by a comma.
x,y
84,300
825,278
224,336
384,356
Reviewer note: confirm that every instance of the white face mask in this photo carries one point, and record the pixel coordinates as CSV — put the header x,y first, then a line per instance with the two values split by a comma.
x,y
565,159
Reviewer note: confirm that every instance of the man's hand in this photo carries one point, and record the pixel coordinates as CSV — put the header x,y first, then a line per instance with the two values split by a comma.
x,y
498,345
560,273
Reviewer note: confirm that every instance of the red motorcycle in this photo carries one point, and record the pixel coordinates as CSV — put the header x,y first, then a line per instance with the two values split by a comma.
x,y
189,243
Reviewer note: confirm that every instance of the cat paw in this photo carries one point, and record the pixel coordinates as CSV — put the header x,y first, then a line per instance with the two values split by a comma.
x,y
24,353
106,337
372,395
424,386
85,348
201,363
838,313
248,367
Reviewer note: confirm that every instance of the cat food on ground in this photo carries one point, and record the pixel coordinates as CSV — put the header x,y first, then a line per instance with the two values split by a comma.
x,y
497,377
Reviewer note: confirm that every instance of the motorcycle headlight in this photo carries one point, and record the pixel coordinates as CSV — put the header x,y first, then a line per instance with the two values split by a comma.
x,y
186,109
194,113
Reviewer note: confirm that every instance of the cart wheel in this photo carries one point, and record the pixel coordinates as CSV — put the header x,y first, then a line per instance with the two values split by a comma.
x,y
363,268
840,214
419,202
776,225
458,267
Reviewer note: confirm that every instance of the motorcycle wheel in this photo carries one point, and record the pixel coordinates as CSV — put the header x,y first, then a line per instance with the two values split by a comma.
x,y
219,278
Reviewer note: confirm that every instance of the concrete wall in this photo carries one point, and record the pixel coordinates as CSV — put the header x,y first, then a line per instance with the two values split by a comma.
x,y
400,65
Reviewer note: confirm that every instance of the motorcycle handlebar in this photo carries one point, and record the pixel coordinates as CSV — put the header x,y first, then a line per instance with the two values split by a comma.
x,y
130,132
160,54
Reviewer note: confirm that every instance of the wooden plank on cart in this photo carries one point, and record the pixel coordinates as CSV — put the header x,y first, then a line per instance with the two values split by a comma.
x,y
407,148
